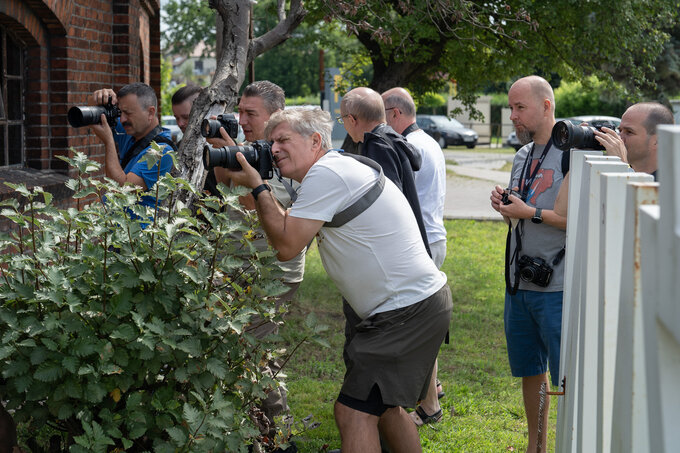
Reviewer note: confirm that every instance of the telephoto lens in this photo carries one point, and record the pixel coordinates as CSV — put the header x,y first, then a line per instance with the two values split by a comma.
x,y
258,155
85,116
211,128
566,135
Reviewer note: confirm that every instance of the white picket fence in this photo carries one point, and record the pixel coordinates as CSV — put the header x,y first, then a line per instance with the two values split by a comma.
x,y
620,356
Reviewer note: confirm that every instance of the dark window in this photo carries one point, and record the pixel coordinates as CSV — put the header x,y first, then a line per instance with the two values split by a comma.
x,y
198,67
11,100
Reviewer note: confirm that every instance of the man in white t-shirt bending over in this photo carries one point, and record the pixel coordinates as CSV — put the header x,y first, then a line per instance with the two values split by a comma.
x,y
379,263
430,179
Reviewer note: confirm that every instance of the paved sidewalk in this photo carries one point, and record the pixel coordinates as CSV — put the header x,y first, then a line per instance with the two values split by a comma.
x,y
469,183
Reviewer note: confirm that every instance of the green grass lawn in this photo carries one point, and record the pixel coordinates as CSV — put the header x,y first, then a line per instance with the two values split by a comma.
x,y
489,414
482,149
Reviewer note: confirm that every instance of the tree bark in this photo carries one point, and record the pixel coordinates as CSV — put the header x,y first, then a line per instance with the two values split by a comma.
x,y
234,55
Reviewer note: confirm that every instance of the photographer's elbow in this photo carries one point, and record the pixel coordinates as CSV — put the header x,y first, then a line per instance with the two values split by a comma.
x,y
285,256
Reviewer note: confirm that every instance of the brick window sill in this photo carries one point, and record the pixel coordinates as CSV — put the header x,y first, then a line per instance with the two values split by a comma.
x,y
50,180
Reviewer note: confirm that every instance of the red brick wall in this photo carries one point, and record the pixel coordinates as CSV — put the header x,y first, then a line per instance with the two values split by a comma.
x,y
73,48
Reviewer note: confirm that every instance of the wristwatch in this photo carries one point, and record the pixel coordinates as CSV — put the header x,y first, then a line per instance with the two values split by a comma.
x,y
537,218
259,189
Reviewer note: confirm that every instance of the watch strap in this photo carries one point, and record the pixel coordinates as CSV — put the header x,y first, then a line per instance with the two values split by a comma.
x,y
538,216
259,189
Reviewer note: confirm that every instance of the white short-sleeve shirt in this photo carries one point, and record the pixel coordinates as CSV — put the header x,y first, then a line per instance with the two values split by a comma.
x,y
377,260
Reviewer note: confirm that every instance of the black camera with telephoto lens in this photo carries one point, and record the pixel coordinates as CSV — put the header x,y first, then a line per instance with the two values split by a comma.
x,y
567,135
508,192
211,128
534,270
85,116
258,155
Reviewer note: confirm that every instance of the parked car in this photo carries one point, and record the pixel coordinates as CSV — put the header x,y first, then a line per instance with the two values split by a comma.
x,y
593,120
169,122
447,131
596,120
513,141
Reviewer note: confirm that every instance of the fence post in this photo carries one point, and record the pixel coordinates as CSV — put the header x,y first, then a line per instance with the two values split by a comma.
x,y
629,429
586,382
649,229
668,307
567,407
612,206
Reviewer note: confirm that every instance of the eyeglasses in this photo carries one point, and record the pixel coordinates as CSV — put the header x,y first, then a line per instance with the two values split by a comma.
x,y
392,108
340,118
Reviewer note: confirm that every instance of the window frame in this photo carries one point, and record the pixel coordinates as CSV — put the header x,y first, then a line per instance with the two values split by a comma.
x,y
5,121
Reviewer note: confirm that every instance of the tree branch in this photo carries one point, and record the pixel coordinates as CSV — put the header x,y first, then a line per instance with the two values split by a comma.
x,y
282,30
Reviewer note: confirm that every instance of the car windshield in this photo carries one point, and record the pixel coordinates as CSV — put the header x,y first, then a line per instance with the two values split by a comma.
x,y
445,122
169,120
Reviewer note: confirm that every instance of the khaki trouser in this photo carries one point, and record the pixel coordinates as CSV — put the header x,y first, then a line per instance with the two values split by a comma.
x,y
276,402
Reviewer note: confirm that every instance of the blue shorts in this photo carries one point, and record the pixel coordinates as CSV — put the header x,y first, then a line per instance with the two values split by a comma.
x,y
533,325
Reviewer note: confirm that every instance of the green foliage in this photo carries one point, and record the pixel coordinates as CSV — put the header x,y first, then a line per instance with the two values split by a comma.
x,y
430,102
190,22
127,327
313,99
294,64
423,45
592,97
166,90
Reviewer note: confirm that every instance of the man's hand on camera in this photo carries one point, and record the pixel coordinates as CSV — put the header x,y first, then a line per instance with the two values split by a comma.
x,y
226,140
517,209
612,143
103,131
248,176
101,97
496,197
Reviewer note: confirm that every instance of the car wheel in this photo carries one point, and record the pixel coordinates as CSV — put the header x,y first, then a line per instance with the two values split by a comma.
x,y
442,142
471,145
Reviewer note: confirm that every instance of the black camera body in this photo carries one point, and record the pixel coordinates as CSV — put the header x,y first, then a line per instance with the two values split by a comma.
x,y
258,155
85,116
211,128
508,192
566,135
534,270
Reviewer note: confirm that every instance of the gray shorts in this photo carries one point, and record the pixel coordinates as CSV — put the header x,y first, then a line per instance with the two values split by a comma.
x,y
396,350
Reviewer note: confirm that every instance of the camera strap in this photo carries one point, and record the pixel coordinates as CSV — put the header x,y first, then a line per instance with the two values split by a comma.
x,y
366,200
286,185
526,178
140,145
512,289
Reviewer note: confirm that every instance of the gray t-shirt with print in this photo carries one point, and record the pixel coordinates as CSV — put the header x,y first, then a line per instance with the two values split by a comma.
x,y
540,240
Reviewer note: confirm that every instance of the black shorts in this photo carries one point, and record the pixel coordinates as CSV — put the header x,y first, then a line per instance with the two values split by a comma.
x,y
396,350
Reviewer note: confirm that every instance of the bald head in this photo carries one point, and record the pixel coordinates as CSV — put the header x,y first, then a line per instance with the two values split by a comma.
x,y
400,110
532,109
400,99
539,88
362,109
364,104
654,113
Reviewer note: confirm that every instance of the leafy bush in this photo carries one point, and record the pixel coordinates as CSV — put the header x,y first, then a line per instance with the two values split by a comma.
x,y
590,97
126,327
431,102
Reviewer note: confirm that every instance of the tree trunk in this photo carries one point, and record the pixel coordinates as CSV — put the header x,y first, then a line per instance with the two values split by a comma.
x,y
236,51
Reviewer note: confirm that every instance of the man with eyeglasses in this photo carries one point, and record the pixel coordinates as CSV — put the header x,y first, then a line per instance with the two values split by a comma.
x,y
431,185
363,115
